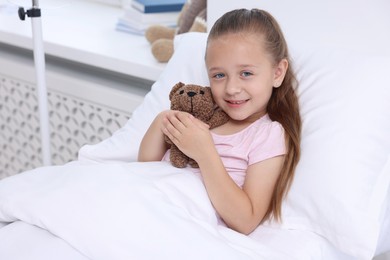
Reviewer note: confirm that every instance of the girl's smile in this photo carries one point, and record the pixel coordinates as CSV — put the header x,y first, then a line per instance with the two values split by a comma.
x,y
236,103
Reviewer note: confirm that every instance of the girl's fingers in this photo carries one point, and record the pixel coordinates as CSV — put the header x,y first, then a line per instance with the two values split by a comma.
x,y
178,123
173,128
179,120
169,135
169,125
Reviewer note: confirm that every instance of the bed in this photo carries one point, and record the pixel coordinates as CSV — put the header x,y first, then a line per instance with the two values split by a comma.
x,y
105,205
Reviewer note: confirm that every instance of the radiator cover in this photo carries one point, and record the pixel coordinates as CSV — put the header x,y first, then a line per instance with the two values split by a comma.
x,y
85,107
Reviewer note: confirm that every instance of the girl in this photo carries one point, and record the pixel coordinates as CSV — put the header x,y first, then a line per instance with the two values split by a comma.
x,y
247,164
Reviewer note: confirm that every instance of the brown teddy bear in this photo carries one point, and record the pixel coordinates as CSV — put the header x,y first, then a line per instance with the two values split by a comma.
x,y
198,101
192,18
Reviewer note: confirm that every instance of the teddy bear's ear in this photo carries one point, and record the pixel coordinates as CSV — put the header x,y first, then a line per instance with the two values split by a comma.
x,y
175,88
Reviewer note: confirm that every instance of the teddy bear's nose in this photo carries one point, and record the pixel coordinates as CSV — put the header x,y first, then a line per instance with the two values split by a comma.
x,y
191,93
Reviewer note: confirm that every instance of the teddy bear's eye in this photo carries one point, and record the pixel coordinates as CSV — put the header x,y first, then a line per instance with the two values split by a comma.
x,y
201,92
181,92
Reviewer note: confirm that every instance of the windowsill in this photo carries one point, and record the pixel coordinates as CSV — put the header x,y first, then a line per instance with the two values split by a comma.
x,y
84,32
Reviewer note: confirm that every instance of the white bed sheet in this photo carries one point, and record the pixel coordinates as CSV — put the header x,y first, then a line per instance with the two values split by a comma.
x,y
131,211
21,241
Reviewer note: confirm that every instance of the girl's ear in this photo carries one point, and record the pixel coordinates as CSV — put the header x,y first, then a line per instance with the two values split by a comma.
x,y
280,72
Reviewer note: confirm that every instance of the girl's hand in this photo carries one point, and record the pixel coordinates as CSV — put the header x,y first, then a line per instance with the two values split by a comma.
x,y
188,133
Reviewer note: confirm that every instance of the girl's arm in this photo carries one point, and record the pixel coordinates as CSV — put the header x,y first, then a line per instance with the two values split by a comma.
x,y
153,145
241,209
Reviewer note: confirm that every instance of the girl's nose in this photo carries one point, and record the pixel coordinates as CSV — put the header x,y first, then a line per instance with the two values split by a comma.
x,y
233,87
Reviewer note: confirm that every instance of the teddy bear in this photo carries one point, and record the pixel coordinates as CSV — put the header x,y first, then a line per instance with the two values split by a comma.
x,y
198,101
192,18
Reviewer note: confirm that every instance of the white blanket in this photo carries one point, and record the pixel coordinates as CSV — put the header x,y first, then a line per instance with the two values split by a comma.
x,y
125,211
137,211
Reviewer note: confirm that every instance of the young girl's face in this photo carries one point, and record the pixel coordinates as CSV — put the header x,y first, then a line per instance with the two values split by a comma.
x,y
242,75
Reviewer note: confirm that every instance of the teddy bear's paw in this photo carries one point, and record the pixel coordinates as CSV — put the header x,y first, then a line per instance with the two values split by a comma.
x,y
179,162
193,163
179,165
177,158
162,50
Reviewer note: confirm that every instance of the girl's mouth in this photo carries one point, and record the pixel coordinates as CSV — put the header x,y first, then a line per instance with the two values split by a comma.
x,y
236,103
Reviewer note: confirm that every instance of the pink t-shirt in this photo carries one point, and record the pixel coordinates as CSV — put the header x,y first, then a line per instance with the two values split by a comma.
x,y
262,140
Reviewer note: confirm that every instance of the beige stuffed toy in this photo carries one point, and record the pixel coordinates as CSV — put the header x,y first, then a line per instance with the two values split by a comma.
x,y
192,18
198,101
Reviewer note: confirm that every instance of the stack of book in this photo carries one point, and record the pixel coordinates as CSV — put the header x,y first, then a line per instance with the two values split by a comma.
x,y
141,14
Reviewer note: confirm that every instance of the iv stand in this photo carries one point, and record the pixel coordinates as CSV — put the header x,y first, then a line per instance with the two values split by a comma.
x,y
39,60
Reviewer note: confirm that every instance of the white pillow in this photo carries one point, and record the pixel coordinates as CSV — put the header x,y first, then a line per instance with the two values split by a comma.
x,y
384,235
186,65
342,179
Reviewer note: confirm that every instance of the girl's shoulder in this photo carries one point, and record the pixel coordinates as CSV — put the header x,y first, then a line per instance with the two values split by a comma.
x,y
267,141
265,128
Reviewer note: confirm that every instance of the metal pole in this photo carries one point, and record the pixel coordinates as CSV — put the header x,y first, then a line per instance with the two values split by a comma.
x,y
39,60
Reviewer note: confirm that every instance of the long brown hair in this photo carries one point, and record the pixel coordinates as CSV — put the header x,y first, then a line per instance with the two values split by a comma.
x,y
283,105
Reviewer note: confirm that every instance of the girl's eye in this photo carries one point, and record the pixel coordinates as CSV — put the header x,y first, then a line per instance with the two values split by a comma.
x,y
219,75
246,74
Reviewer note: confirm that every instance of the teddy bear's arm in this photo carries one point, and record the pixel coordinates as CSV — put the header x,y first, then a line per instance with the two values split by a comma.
x,y
219,118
